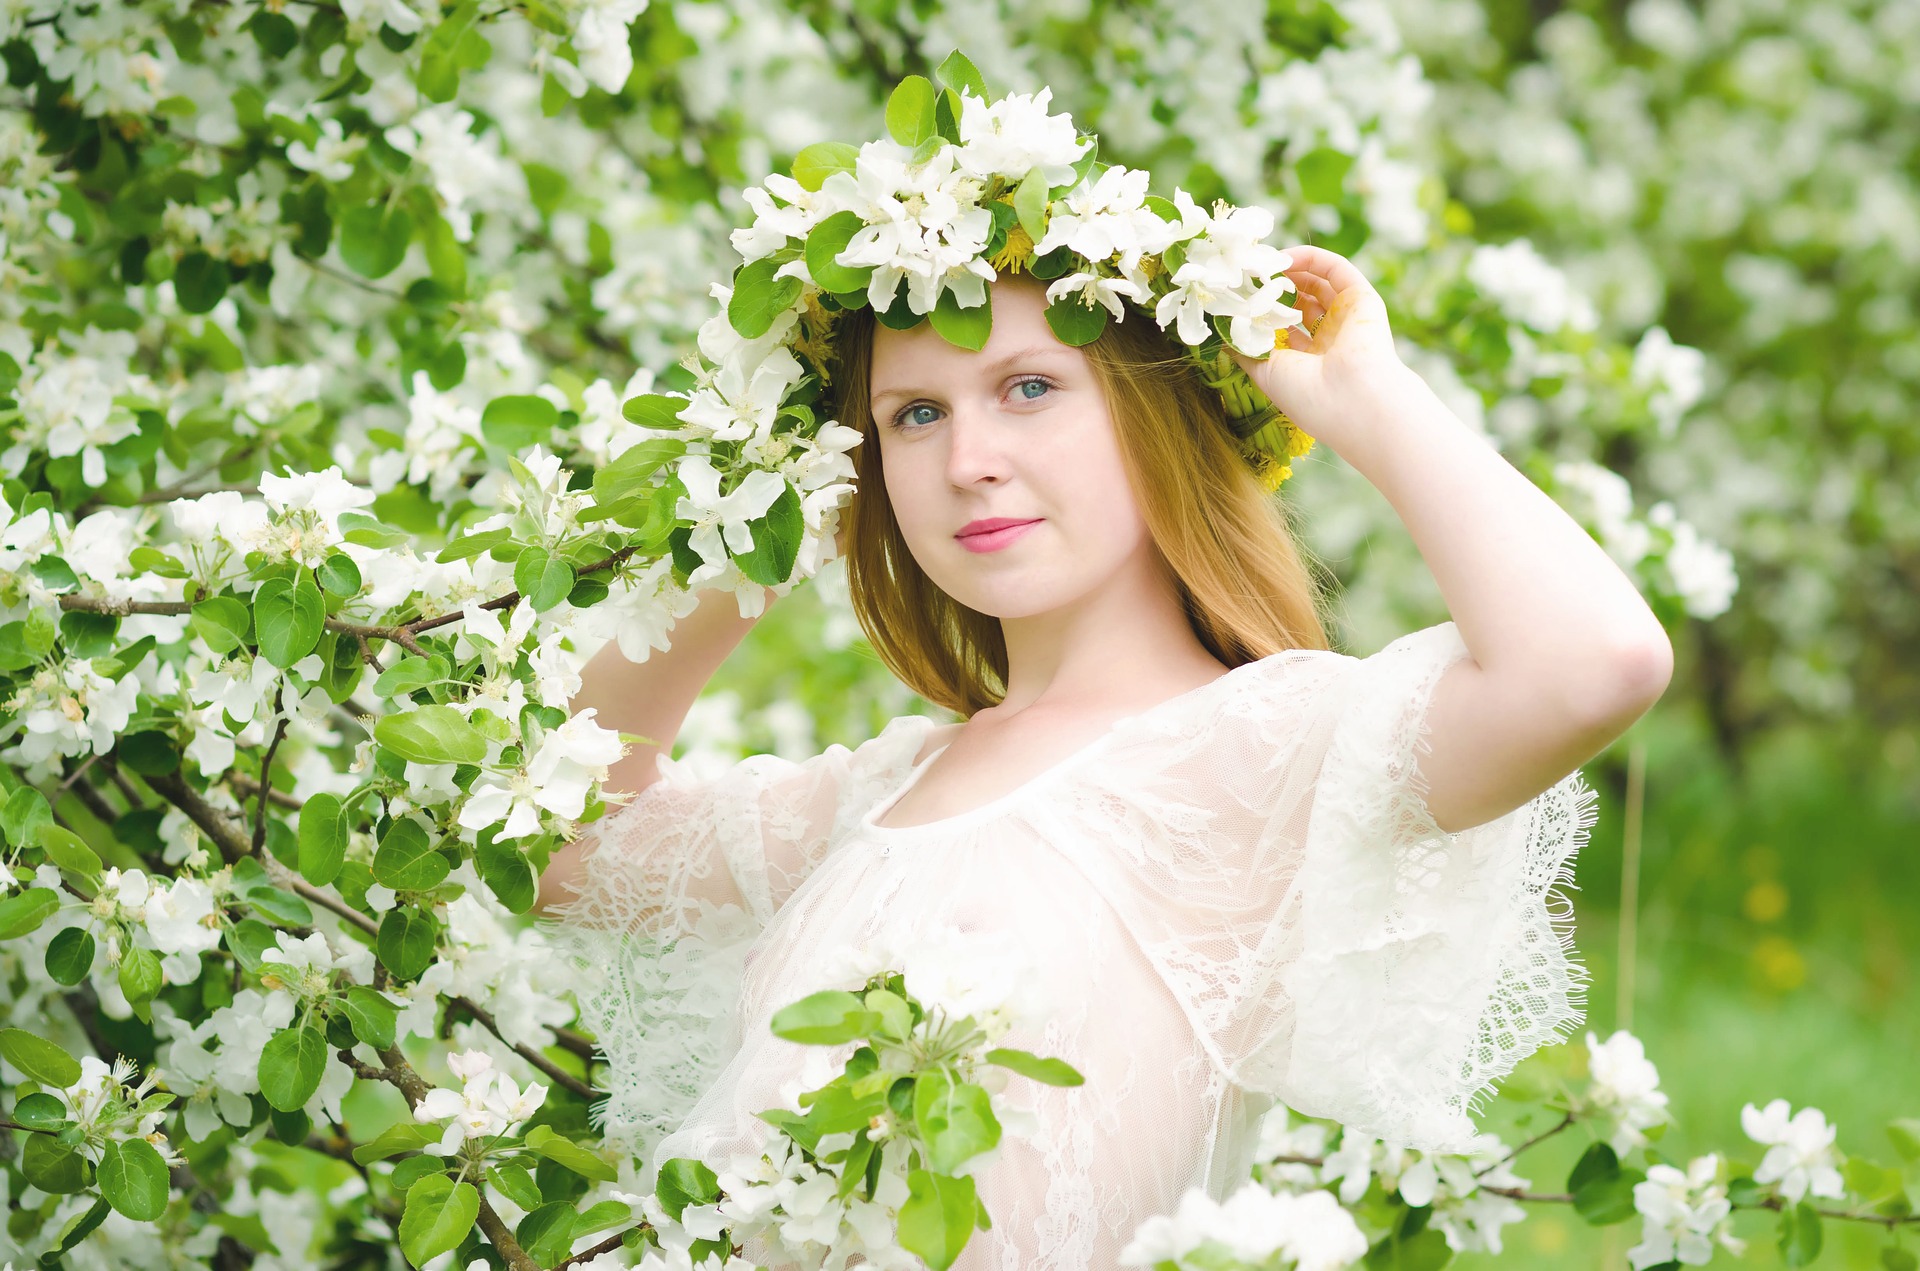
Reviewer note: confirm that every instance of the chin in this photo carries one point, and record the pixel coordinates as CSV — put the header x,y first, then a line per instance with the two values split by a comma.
x,y
1010,597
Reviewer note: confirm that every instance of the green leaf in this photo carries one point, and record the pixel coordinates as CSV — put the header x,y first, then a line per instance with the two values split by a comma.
x,y
937,1219
406,940
1075,323
86,635
1605,1201
464,546
1030,204
519,422
373,1017
684,1182
410,674
68,850
289,616
438,1216
516,1184
1799,1235
1051,1072
963,328
955,1119
505,869
893,1011
281,906
52,1166
41,1112
323,838
561,1150
407,859
41,1060
824,1019
1597,1163
133,1178
431,734
247,940
828,239
140,976
25,911
116,666
543,579
291,1065
653,410
1905,1131
26,811
547,1232
373,238
910,113
758,297
776,541
200,282
1323,174
150,752
815,163
1894,1259
369,531
340,575
958,73
70,956
78,1228
633,471
608,1213
401,1136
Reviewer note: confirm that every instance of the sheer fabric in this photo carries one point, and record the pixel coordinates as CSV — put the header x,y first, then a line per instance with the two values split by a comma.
x,y
1233,898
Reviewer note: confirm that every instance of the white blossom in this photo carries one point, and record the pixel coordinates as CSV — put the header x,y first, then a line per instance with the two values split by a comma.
x,y
1626,1088
1800,1155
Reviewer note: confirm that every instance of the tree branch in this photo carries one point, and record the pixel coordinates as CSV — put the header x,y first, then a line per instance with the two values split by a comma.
x,y
559,1075
414,1088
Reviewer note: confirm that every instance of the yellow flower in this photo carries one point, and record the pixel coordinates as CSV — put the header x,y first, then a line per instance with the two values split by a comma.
x,y
815,342
1018,252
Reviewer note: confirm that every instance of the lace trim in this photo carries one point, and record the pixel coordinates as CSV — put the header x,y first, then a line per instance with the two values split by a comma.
x,y
1431,963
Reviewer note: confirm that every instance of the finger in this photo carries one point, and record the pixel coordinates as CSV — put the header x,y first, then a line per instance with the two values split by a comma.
x,y
1336,269
1319,289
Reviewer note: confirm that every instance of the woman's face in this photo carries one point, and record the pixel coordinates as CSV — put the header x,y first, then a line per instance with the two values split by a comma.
x,y
1002,466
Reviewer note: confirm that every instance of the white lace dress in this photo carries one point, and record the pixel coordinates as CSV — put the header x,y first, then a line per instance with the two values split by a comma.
x,y
1234,897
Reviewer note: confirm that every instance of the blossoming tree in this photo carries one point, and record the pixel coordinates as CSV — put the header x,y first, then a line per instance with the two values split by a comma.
x,y
342,422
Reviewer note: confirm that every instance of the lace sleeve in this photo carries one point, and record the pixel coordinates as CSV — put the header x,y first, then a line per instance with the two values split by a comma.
x,y
672,890
1426,964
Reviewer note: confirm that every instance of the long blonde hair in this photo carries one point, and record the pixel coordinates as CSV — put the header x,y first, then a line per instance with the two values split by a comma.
x,y
1227,544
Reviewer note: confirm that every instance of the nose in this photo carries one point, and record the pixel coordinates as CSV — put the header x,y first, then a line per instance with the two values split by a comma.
x,y
975,448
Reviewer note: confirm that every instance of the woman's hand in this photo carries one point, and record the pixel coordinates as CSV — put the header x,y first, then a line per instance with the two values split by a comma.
x,y
1344,353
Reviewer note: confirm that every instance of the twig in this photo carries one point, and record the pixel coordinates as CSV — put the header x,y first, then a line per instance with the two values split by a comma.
x,y
414,1088
74,776
174,789
560,1075
279,798
266,771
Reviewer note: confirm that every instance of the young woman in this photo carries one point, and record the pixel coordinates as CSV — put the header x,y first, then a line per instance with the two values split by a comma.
x,y
1234,866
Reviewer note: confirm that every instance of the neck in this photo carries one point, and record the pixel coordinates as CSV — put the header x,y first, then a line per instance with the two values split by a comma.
x,y
1125,643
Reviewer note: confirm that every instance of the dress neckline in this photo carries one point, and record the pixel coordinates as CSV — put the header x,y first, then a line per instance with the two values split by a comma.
x,y
869,821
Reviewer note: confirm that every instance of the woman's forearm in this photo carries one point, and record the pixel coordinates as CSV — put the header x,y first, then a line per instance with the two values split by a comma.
x,y
1537,601
652,698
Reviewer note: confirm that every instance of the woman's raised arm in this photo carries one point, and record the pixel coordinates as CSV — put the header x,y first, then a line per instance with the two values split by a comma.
x,y
1565,654
650,699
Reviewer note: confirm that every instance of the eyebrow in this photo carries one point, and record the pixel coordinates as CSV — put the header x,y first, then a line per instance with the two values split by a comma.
x,y
994,367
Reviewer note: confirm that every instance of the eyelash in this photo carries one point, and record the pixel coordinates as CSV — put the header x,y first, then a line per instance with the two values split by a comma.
x,y
900,414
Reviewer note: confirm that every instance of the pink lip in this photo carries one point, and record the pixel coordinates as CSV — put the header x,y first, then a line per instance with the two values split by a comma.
x,y
993,533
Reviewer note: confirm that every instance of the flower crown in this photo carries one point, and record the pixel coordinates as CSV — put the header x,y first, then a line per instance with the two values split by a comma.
x,y
962,188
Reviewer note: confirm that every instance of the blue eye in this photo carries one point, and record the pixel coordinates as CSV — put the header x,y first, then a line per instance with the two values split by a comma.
x,y
1023,385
